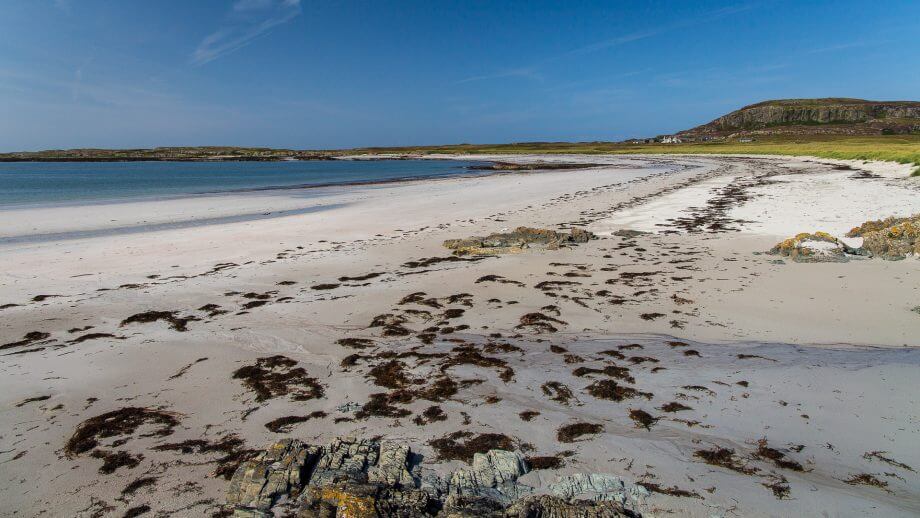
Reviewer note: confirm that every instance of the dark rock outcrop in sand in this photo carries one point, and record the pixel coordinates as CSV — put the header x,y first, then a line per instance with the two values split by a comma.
x,y
359,478
517,240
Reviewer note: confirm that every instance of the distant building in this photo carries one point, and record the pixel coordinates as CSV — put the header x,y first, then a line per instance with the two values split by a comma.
x,y
745,139
671,139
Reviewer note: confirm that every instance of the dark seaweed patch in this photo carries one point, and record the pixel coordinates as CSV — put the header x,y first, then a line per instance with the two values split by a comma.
x,y
355,343
528,415
572,432
556,391
177,323
381,405
725,458
26,401
431,414
28,339
674,406
463,445
364,277
137,484
670,491
612,391
642,418
276,376
137,510
231,448
112,460
122,422
553,462
284,424
327,286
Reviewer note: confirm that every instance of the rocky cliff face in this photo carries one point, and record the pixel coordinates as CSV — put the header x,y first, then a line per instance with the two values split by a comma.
x,y
845,116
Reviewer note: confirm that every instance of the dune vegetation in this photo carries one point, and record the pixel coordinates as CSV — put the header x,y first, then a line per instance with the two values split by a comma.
x,y
904,149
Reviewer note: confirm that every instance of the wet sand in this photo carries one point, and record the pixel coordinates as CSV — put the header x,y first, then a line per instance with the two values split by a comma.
x,y
815,360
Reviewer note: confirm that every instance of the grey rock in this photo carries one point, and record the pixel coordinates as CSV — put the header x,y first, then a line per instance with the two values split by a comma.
x,y
596,487
392,467
260,482
367,478
548,506
517,240
345,460
492,474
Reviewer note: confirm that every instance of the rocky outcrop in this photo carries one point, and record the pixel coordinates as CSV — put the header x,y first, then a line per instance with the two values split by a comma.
x,y
358,478
891,238
819,247
517,240
855,116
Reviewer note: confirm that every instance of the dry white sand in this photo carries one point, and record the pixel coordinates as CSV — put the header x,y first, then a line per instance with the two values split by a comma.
x,y
831,347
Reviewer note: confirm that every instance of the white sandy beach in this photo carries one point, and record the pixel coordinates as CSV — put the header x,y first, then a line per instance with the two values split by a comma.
x,y
828,352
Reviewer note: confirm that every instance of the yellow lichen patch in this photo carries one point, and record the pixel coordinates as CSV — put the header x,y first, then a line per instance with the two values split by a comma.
x,y
787,246
348,505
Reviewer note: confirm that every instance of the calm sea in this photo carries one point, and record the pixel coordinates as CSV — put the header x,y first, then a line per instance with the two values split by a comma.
x,y
41,183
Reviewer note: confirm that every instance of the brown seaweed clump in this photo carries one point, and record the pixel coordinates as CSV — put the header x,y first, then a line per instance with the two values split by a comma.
x,y
557,392
539,322
674,406
462,445
355,343
119,423
572,432
725,458
764,451
670,491
382,405
642,418
112,460
866,479
546,462
613,391
284,424
231,451
177,323
276,376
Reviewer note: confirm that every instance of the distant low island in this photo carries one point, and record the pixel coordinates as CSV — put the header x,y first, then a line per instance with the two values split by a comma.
x,y
838,128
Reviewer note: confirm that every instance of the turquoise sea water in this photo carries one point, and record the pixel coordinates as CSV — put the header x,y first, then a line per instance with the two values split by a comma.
x,y
42,183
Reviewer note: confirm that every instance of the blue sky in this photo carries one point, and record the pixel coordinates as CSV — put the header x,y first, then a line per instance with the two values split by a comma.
x,y
312,74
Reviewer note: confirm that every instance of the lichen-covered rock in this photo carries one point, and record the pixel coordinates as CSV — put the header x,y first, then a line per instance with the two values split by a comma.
x,y
492,474
891,238
278,471
548,506
819,247
596,487
346,460
517,240
392,467
350,500
361,478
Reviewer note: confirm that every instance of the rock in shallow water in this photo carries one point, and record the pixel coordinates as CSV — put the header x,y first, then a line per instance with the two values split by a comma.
x,y
363,478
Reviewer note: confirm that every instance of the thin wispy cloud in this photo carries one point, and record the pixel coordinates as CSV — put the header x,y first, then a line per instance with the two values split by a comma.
x,y
841,46
517,72
655,31
246,21
532,71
